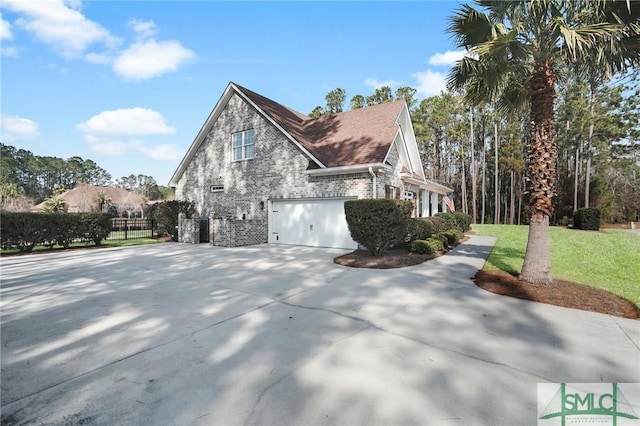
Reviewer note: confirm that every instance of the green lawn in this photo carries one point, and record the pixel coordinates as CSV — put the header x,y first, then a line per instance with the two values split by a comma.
x,y
608,259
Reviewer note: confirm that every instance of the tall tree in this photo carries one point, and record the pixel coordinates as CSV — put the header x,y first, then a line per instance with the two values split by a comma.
x,y
408,94
335,100
516,47
380,95
358,101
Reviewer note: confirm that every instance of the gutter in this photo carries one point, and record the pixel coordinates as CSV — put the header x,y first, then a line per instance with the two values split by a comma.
x,y
428,184
374,183
343,170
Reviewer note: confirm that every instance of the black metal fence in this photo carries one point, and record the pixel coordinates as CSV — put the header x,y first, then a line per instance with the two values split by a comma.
x,y
131,229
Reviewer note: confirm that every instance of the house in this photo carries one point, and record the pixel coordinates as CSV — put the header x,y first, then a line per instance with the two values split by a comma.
x,y
89,198
265,173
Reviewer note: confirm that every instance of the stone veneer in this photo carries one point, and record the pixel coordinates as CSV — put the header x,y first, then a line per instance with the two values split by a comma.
x,y
275,172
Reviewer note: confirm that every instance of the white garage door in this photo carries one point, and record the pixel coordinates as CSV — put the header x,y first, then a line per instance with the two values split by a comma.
x,y
316,222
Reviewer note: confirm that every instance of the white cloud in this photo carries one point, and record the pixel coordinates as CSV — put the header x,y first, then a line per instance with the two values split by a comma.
x,y
60,25
14,129
378,84
98,58
109,147
144,29
8,51
430,83
162,152
5,29
144,60
127,121
117,132
447,58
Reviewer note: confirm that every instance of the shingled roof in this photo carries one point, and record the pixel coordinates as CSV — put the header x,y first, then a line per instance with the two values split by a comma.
x,y
359,136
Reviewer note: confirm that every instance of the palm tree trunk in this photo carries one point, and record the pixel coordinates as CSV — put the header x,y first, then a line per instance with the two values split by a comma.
x,y
541,174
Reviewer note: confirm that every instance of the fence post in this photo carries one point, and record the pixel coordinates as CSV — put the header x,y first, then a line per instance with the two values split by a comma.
x,y
126,227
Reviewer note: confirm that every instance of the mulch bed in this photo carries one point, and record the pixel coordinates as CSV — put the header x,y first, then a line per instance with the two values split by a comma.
x,y
396,258
560,293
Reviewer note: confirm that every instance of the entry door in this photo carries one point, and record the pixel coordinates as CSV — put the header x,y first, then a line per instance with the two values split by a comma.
x,y
317,222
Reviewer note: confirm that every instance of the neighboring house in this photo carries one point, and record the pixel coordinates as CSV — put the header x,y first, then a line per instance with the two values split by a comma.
x,y
268,174
86,199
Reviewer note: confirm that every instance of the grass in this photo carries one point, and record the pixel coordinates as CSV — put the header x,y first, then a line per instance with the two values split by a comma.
x,y
105,243
608,259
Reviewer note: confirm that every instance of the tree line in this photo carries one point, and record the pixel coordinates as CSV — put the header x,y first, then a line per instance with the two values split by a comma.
x,y
480,152
27,179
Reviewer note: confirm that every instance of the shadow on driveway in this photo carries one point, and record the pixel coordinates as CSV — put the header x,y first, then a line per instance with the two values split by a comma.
x,y
192,334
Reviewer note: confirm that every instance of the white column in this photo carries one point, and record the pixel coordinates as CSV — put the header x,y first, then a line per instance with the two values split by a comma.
x,y
444,205
434,203
424,198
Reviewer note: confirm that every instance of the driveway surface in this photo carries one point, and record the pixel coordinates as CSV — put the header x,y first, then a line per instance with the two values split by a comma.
x,y
177,334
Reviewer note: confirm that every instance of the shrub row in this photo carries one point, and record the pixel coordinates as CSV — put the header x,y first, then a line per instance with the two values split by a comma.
x,y
379,224
437,242
587,219
25,230
456,220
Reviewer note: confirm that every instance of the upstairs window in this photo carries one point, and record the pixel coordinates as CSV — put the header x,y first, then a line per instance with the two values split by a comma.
x,y
242,145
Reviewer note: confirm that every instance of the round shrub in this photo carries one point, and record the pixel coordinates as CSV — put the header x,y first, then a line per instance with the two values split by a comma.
x,y
463,220
438,224
587,219
378,224
428,246
418,229
449,218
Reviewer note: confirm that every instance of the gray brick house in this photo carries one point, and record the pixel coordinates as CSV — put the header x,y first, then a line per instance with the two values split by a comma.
x,y
264,173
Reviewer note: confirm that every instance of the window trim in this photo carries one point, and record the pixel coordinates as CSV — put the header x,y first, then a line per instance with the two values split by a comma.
x,y
243,145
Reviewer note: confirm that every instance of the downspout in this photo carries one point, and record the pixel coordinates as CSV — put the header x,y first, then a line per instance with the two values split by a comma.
x,y
374,182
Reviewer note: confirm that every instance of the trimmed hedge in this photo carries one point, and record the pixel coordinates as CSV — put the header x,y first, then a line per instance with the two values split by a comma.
x,y
452,236
166,215
463,220
378,224
25,230
428,246
456,220
587,219
438,224
418,229
449,218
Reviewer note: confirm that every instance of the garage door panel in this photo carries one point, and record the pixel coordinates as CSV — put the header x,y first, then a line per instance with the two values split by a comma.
x,y
310,222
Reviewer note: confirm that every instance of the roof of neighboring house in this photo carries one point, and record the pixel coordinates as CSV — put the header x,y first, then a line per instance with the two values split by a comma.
x,y
359,136
84,198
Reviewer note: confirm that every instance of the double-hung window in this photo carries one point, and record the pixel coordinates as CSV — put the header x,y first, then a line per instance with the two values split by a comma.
x,y
243,145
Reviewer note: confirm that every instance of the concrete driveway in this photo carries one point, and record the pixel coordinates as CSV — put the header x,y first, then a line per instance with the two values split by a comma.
x,y
175,334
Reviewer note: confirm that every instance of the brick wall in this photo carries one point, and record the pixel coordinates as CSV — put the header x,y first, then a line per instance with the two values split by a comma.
x,y
275,172
237,233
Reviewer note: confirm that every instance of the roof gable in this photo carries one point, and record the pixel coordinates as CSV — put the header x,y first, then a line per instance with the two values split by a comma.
x,y
357,137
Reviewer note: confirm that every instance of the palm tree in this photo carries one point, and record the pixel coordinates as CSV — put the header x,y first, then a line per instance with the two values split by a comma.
x,y
102,198
516,49
55,204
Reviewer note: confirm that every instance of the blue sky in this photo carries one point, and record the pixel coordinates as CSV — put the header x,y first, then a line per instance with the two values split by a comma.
x,y
128,84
